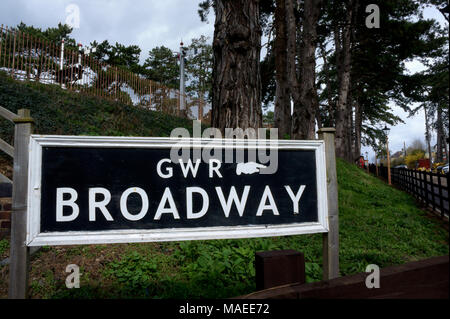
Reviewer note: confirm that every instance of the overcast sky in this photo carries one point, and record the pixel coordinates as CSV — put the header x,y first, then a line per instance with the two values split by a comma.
x,y
142,22
160,22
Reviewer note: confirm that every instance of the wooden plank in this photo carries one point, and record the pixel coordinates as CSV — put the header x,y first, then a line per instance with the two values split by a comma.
x,y
441,199
417,184
279,267
330,242
5,147
427,278
433,197
421,196
19,264
4,179
427,201
7,114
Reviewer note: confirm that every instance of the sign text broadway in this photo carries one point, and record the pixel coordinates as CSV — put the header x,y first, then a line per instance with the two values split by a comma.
x,y
107,188
97,189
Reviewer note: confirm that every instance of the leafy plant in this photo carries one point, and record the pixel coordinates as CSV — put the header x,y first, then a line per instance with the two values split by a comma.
x,y
4,246
134,271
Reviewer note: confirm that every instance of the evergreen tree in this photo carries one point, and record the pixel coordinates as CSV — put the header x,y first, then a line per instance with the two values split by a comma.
x,y
199,68
161,66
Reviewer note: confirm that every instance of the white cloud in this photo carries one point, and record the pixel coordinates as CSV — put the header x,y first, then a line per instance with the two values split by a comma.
x,y
144,23
404,133
414,66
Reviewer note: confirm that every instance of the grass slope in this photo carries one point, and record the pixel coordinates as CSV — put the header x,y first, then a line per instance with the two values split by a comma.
x,y
378,224
58,111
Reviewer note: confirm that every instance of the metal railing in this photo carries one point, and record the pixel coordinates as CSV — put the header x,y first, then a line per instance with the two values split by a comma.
x,y
30,58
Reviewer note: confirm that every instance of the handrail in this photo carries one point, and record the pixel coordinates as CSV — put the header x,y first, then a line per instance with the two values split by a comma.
x,y
4,146
7,114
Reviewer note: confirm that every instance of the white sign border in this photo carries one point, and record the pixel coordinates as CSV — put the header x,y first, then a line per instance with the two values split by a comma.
x,y
36,238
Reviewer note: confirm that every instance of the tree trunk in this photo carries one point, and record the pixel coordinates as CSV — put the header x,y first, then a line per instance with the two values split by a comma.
x,y
291,46
303,124
440,136
326,70
282,113
236,71
350,138
319,120
358,129
428,136
344,69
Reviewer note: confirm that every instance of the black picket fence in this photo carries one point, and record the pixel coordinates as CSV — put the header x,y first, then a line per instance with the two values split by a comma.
x,y
429,188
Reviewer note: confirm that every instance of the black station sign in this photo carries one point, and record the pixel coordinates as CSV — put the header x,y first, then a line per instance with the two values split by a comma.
x,y
86,190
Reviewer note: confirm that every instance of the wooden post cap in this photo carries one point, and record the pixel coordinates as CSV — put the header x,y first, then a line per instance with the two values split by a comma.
x,y
327,130
24,116
21,120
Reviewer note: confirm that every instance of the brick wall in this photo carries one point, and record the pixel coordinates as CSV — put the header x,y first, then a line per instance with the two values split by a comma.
x,y
5,209
5,216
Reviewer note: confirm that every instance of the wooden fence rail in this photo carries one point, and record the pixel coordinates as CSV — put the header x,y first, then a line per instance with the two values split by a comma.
x,y
19,256
424,279
4,146
430,188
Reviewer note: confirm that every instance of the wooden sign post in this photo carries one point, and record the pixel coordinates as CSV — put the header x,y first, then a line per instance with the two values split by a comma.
x,y
331,238
19,256
96,190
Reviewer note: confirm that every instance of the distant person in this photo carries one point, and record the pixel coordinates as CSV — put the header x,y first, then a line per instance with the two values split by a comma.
x,y
361,162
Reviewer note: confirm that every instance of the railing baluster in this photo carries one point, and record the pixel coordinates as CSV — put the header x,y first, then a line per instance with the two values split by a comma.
x,y
13,71
28,57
